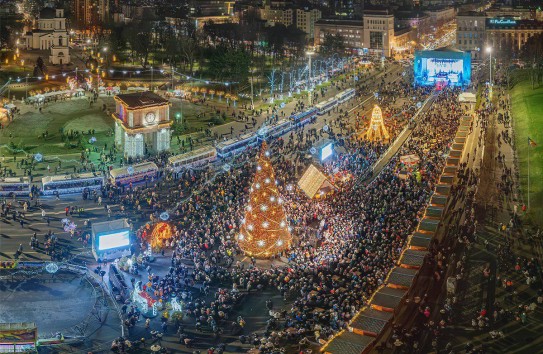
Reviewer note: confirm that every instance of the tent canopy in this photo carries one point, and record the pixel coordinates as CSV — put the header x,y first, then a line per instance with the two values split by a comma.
x,y
313,181
467,97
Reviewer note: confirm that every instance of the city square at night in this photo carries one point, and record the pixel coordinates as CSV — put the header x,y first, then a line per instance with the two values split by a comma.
x,y
275,177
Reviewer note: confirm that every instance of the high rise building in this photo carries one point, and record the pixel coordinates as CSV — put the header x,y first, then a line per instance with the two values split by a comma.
x,y
305,20
90,14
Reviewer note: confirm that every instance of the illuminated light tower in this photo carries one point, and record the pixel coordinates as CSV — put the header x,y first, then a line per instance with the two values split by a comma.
x,y
489,51
377,130
264,231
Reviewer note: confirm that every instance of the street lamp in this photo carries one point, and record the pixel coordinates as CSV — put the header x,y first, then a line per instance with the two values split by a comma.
x,y
309,54
105,53
489,51
252,71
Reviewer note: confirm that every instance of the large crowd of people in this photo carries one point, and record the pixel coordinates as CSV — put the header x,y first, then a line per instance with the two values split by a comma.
x,y
345,243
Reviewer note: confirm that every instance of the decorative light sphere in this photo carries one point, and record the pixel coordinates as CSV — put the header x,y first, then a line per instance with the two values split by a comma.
x,y
261,243
259,168
282,224
265,224
257,186
272,199
241,237
267,180
280,243
263,207
250,227
51,268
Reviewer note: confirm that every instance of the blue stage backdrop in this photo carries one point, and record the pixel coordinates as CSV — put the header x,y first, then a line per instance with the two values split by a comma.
x,y
444,66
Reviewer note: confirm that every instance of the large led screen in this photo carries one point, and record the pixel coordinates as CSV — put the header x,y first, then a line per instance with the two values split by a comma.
x,y
434,69
327,151
114,240
442,67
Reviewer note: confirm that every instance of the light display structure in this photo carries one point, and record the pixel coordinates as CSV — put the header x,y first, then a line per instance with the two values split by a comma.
x,y
264,231
145,303
445,66
377,130
162,232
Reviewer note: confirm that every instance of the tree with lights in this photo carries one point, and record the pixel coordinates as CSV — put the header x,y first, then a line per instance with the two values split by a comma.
x,y
264,231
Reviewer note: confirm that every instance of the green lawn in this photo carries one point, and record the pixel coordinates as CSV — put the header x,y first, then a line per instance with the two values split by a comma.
x,y
527,111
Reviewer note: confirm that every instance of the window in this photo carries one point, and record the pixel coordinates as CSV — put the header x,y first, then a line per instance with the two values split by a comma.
x,y
376,40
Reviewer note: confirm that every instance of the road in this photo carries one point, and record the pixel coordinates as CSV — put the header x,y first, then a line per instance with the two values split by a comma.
x,y
12,235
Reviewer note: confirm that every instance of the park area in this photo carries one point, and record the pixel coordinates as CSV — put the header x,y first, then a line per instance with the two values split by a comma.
x,y
62,129
527,110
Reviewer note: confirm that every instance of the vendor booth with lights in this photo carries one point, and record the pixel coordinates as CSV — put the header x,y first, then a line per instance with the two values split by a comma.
x,y
18,337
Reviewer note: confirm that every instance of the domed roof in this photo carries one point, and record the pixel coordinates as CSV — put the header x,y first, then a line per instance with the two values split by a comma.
x,y
47,13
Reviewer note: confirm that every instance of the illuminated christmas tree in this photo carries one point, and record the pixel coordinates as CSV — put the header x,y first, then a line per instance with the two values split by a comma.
x,y
264,231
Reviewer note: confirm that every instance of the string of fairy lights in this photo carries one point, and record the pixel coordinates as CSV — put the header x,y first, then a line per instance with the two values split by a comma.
x,y
124,72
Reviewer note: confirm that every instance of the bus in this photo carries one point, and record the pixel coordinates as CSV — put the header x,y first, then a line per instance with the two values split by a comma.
x,y
133,173
15,186
69,184
326,106
277,129
345,95
304,117
233,146
193,158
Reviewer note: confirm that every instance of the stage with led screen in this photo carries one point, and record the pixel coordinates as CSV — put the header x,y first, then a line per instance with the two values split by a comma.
x,y
442,67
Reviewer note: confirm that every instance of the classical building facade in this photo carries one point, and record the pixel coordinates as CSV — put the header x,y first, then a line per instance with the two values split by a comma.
x,y
373,35
352,32
475,31
51,34
142,123
510,35
379,32
470,33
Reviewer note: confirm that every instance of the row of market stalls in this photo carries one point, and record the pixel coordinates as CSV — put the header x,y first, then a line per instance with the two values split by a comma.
x,y
43,97
384,306
79,92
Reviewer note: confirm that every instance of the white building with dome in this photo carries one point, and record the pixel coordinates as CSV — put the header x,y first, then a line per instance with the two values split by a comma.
x,y
51,34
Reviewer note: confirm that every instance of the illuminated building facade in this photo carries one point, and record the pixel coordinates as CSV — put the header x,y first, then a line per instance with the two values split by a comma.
x,y
51,34
475,31
142,122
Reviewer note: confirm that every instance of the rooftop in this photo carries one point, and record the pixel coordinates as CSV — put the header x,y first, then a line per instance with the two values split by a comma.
x,y
339,22
47,13
141,99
